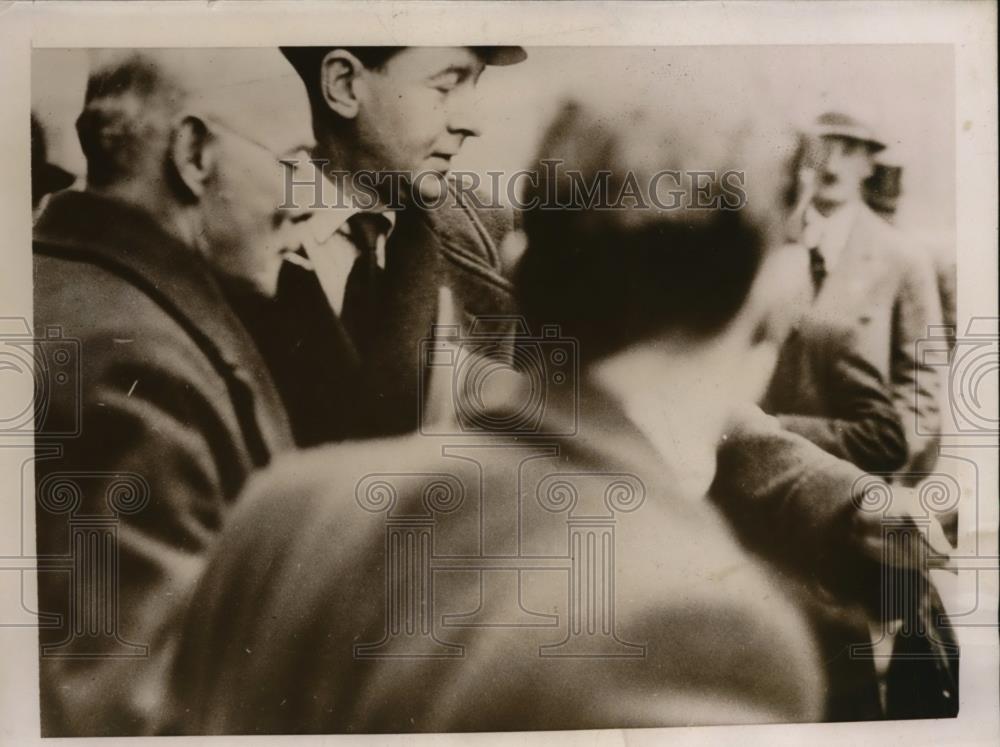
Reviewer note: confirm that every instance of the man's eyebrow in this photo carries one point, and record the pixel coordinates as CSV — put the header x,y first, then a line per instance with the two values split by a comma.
x,y
463,71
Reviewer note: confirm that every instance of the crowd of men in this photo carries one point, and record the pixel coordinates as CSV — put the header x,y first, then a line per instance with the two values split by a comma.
x,y
248,361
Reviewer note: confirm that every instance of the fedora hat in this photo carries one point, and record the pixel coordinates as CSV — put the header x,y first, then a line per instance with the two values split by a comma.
x,y
849,127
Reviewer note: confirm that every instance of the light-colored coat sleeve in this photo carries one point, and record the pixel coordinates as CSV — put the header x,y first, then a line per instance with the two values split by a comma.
x,y
916,386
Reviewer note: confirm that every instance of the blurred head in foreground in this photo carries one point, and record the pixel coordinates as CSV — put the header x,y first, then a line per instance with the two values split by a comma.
x,y
673,291
191,136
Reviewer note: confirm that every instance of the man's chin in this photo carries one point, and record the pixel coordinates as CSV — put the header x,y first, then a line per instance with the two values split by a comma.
x,y
430,184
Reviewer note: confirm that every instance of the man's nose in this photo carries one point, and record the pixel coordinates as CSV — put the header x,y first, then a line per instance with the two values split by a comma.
x,y
463,114
302,187
834,158
298,215
295,229
295,211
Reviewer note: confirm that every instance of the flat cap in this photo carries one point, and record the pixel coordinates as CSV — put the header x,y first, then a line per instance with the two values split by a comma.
x,y
840,124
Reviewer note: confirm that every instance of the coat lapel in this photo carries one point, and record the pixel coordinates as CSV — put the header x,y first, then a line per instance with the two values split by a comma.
x,y
428,250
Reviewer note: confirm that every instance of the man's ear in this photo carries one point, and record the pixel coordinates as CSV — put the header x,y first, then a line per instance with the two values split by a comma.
x,y
338,73
191,155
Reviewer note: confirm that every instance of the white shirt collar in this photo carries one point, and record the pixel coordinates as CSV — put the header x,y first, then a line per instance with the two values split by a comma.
x,y
330,252
333,218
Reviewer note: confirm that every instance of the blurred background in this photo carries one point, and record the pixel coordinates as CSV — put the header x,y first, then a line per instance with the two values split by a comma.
x,y
905,91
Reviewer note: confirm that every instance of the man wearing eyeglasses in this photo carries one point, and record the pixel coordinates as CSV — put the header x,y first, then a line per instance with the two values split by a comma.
x,y
168,407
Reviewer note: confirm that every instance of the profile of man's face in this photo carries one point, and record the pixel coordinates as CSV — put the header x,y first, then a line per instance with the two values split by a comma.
x,y
247,228
417,109
844,163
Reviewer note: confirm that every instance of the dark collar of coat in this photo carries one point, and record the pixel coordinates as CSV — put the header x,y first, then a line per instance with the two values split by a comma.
x,y
126,241
459,233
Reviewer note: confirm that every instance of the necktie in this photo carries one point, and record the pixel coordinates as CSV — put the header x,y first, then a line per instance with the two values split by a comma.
x,y
295,333
817,269
361,294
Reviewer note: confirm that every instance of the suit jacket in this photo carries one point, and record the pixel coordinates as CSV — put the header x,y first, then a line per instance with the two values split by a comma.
x,y
876,303
825,390
330,392
297,623
174,408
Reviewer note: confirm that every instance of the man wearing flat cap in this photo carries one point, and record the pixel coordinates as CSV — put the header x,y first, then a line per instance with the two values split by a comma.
x,y
874,297
343,336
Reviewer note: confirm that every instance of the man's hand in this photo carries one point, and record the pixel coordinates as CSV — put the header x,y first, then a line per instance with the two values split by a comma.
x,y
904,509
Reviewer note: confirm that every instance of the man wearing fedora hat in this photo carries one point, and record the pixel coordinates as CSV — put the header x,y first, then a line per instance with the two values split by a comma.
x,y
873,298
342,337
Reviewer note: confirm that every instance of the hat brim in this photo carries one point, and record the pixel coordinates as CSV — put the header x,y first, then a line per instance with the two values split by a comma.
x,y
501,56
848,132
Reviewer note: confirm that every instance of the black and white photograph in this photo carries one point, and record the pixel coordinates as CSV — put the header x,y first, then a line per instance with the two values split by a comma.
x,y
501,382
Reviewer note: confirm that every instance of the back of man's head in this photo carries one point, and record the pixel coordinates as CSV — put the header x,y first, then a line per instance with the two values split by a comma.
x,y
135,98
692,198
200,139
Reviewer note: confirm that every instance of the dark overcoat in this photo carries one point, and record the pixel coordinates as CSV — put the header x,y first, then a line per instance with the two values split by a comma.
x,y
146,435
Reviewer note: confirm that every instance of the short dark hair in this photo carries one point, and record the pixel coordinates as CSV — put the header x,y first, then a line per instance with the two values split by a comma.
x,y
307,62
611,278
